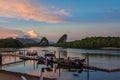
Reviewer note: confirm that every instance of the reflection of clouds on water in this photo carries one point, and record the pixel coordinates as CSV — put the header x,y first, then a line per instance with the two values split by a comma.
x,y
32,49
101,58
9,59
31,62
81,56
63,53
105,60
53,74
59,75
98,59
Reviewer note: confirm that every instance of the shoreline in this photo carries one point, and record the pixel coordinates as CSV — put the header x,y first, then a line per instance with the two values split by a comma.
x,y
7,75
110,48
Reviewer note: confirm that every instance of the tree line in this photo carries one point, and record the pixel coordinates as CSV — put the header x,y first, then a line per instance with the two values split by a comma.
x,y
92,43
10,43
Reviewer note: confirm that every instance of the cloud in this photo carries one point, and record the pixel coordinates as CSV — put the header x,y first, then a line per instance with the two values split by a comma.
x,y
33,34
108,16
63,12
111,13
111,10
4,21
6,33
30,9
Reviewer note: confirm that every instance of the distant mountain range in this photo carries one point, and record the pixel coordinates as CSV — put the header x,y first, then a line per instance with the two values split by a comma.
x,y
31,40
28,40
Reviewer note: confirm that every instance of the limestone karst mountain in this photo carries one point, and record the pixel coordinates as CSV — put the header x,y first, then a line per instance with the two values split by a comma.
x,y
44,42
62,39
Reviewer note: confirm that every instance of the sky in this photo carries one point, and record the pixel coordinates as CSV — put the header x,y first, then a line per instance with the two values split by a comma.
x,y
53,18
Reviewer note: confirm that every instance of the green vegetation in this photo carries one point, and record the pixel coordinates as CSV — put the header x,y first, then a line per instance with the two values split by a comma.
x,y
10,43
32,45
92,43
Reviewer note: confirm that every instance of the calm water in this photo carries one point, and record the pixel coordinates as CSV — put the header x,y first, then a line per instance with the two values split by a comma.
x,y
102,58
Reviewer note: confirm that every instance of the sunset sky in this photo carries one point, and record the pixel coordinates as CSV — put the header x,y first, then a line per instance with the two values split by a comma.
x,y
53,18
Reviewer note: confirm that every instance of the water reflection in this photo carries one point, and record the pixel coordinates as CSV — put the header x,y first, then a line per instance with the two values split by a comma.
x,y
32,68
101,58
5,59
104,60
31,49
63,53
107,59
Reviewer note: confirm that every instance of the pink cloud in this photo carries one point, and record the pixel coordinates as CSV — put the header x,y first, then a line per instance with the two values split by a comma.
x,y
33,34
6,33
26,9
